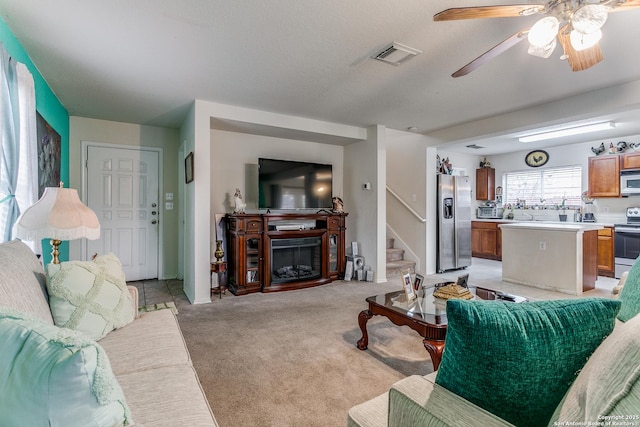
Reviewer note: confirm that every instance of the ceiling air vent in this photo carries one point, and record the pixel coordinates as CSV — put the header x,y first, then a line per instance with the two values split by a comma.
x,y
475,146
396,54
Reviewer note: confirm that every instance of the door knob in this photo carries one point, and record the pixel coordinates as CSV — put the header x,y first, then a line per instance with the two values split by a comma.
x,y
153,213
153,205
154,222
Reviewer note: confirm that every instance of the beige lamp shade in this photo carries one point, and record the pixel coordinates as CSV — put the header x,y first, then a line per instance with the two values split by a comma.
x,y
59,215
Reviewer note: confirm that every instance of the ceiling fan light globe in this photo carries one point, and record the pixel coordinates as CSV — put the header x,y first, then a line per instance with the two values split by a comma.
x,y
589,18
544,31
543,52
581,41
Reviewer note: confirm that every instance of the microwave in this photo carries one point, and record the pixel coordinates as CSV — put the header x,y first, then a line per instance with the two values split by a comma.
x,y
630,182
489,212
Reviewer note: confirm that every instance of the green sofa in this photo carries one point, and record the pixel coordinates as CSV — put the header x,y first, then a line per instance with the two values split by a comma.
x,y
603,386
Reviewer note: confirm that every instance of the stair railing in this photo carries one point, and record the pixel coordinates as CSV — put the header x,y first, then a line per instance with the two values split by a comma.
x,y
413,256
409,208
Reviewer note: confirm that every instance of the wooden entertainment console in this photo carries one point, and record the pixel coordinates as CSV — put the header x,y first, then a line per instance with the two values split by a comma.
x,y
281,252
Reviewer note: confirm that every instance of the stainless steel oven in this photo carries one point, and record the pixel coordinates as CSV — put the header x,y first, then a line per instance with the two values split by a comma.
x,y
627,242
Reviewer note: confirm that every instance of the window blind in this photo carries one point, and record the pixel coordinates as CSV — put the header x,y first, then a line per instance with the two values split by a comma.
x,y
544,186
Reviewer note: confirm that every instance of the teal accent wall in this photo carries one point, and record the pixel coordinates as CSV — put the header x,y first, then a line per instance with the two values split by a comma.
x,y
51,109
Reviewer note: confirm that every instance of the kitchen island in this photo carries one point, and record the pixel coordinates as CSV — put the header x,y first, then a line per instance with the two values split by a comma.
x,y
556,256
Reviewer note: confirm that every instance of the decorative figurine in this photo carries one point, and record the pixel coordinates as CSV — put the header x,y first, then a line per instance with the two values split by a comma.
x,y
621,146
447,167
240,204
484,163
444,166
598,150
338,204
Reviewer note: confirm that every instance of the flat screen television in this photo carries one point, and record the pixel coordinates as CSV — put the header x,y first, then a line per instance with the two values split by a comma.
x,y
284,184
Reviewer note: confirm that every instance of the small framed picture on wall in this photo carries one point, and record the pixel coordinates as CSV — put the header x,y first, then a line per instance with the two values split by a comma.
x,y
188,168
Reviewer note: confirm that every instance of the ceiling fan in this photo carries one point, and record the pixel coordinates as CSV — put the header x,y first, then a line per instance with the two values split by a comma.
x,y
576,24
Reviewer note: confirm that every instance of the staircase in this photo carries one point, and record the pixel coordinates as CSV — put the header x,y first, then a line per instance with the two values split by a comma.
x,y
396,262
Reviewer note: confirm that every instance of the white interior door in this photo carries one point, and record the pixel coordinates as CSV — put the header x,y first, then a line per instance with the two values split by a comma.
x,y
122,189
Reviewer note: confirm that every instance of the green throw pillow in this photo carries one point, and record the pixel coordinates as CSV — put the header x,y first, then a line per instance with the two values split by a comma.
x,y
90,296
608,388
518,360
51,376
630,294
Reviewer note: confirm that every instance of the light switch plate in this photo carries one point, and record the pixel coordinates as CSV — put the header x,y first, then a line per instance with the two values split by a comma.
x,y
168,206
168,196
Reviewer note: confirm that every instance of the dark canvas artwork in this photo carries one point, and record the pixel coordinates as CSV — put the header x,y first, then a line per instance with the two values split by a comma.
x,y
49,146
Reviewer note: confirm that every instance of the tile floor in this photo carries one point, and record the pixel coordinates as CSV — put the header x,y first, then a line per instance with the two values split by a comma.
x,y
488,273
482,272
160,291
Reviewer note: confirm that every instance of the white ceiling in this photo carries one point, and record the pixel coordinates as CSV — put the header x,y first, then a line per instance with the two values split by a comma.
x,y
145,61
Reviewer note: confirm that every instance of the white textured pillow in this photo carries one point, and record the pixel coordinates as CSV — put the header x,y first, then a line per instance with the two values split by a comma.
x,y
608,387
51,376
89,296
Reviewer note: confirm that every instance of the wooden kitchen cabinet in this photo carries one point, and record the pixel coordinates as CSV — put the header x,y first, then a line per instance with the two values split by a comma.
x,y
630,161
604,176
606,262
485,184
486,240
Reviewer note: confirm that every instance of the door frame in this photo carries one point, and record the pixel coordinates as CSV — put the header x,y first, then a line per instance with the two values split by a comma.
x,y
182,209
85,178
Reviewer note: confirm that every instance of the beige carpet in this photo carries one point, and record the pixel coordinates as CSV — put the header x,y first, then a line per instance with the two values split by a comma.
x,y
290,359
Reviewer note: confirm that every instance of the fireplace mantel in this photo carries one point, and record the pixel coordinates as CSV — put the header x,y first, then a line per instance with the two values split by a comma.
x,y
251,259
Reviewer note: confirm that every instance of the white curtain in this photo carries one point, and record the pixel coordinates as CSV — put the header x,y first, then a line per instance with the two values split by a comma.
x,y
18,145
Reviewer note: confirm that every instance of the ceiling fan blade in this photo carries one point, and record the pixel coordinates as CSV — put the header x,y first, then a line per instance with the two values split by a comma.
x,y
579,60
506,11
626,5
491,53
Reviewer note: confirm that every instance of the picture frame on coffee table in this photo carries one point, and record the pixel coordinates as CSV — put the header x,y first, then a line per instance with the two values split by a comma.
x,y
407,285
417,282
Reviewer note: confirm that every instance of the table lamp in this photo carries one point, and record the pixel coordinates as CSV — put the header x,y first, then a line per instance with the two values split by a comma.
x,y
58,215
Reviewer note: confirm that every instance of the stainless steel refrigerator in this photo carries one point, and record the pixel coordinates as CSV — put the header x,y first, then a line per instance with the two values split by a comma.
x,y
454,222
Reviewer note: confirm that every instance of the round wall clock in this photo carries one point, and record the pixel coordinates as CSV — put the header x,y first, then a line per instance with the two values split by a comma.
x,y
536,158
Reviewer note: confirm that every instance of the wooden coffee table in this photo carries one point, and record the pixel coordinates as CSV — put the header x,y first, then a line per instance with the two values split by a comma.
x,y
427,316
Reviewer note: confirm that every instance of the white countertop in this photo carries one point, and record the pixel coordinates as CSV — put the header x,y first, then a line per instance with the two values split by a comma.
x,y
555,226
605,219
520,221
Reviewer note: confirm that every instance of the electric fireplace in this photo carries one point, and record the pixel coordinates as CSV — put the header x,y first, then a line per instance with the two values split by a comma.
x,y
294,259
